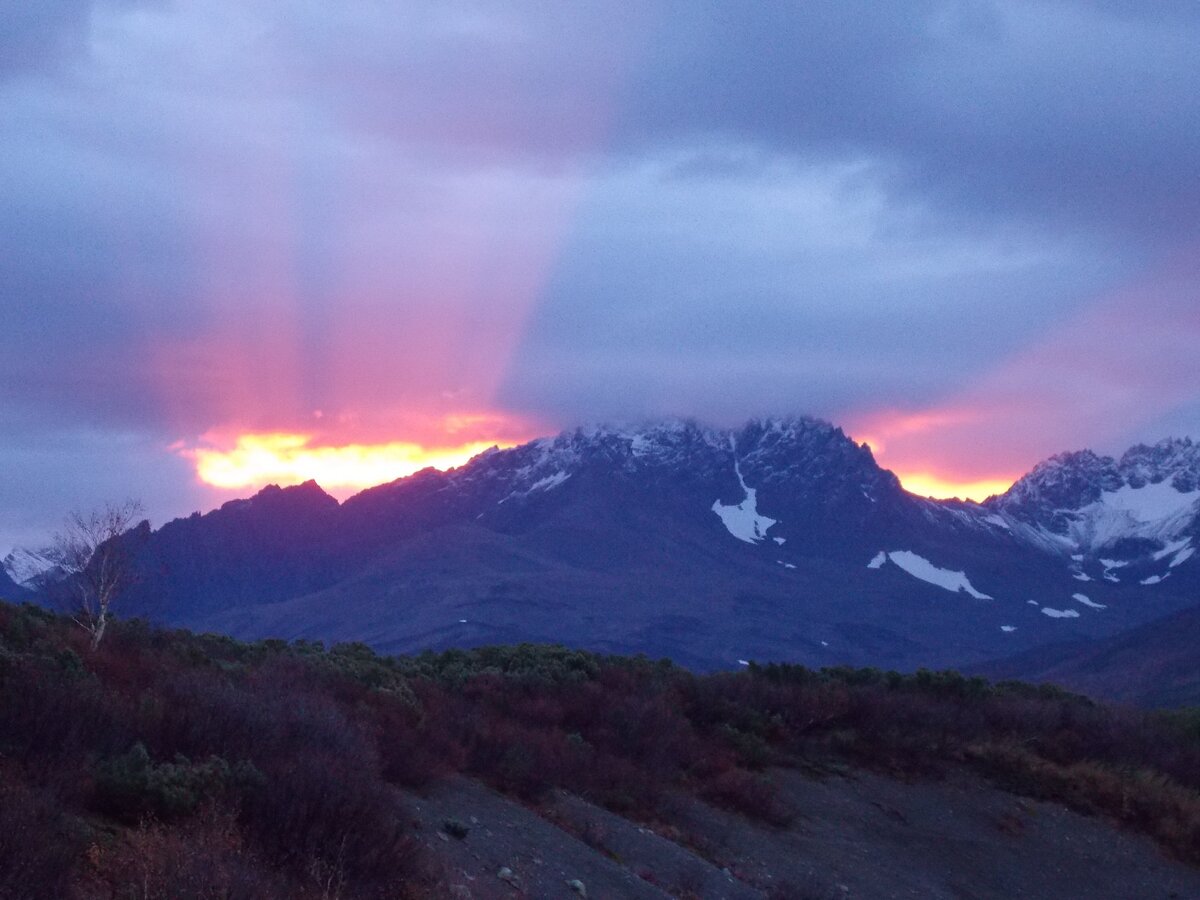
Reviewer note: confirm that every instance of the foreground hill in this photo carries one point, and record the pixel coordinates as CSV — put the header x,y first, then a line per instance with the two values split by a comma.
x,y
781,540
168,764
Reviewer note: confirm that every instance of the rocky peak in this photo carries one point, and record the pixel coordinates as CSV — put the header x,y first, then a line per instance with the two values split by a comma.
x,y
27,567
796,455
1176,460
308,496
809,450
1071,481
1064,481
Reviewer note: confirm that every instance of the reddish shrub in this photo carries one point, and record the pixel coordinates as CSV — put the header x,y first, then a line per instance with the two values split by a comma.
x,y
749,794
38,846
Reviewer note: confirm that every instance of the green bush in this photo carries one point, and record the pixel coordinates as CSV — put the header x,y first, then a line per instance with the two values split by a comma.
x,y
131,786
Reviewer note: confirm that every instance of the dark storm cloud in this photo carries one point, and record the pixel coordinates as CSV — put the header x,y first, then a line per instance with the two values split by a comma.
x,y
1070,112
1054,111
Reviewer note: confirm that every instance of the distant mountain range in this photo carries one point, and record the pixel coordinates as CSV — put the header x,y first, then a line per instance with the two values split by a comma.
x,y
780,540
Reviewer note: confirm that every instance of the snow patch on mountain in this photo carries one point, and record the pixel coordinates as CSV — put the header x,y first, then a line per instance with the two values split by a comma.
x,y
877,560
1150,503
549,482
28,568
1182,550
542,484
1152,512
919,567
1060,613
744,521
1172,547
1087,601
1083,502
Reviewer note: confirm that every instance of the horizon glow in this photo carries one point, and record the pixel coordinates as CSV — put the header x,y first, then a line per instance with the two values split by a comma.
x,y
926,484
256,460
911,440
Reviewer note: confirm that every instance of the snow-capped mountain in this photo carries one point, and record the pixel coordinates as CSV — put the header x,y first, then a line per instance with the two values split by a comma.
x,y
1138,513
811,458
28,569
782,539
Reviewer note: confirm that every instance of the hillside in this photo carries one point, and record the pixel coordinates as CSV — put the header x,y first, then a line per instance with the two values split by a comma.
x,y
169,764
1156,665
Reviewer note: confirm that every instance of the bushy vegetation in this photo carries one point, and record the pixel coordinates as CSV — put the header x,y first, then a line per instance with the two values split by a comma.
x,y
167,764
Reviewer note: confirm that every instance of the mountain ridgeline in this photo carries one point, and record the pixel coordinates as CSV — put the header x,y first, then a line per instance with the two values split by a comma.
x,y
782,540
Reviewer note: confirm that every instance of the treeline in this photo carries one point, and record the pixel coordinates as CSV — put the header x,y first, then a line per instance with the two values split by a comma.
x,y
168,764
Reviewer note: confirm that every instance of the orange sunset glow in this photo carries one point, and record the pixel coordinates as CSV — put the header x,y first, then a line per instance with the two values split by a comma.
x,y
255,460
901,442
925,484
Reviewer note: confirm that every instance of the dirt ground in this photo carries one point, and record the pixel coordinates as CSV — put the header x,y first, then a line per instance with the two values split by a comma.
x,y
863,836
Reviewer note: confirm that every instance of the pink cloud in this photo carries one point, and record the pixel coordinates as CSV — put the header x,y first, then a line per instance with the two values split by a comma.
x,y
1097,380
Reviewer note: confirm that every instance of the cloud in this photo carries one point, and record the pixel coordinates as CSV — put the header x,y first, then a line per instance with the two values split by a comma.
x,y
805,289
51,472
229,215
1109,376
1059,112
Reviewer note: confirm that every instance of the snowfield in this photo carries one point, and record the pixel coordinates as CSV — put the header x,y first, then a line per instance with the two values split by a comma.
x,y
920,567
1060,613
1086,601
743,521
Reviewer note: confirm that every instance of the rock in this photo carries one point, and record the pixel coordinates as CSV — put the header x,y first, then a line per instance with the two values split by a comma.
x,y
507,875
578,887
455,829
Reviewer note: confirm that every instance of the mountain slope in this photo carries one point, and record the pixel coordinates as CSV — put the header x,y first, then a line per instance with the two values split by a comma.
x,y
9,589
1156,664
779,540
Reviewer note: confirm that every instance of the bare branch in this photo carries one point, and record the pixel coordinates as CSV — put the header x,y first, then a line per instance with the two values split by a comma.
x,y
95,559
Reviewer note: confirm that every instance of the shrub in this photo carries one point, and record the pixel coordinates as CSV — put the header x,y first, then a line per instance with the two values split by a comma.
x,y
749,794
39,845
131,786
320,814
203,859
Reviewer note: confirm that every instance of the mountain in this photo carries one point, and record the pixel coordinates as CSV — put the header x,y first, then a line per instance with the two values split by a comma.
x,y
1153,665
23,571
1142,505
780,540
9,588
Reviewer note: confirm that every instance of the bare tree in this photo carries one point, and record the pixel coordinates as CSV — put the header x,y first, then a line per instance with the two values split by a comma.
x,y
94,565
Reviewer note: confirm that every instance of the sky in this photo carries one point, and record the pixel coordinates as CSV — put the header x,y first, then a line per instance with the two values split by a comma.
x,y
245,242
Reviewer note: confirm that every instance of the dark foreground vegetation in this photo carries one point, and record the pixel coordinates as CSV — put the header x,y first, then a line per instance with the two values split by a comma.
x,y
167,764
